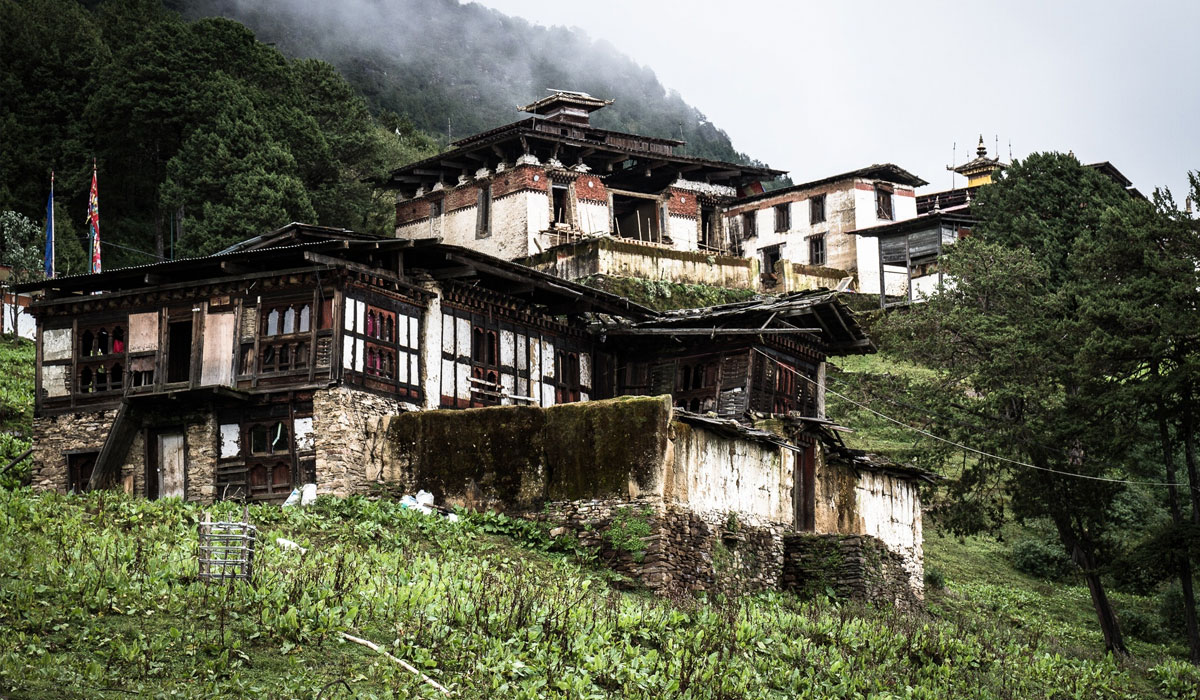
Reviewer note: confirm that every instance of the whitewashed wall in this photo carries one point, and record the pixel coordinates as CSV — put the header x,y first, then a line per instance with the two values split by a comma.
x,y
26,326
592,217
713,474
890,508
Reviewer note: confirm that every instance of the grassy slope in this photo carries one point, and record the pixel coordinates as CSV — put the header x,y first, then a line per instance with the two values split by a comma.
x,y
98,598
16,403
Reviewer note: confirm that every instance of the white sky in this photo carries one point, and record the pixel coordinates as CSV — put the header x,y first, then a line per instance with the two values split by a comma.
x,y
821,88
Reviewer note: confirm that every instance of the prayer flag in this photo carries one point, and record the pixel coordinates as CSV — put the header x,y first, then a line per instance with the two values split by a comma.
x,y
93,221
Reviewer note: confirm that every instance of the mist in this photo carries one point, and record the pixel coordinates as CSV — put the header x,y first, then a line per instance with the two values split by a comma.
x,y
456,70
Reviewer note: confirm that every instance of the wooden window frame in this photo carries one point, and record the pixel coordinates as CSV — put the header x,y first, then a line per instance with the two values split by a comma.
x,y
884,205
783,217
817,253
816,209
113,362
750,224
483,213
382,351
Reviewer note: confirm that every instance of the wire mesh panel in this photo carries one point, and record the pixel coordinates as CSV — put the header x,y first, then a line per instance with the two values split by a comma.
x,y
226,549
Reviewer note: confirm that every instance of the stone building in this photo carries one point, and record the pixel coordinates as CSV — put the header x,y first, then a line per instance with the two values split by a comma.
x,y
812,225
574,200
316,355
553,178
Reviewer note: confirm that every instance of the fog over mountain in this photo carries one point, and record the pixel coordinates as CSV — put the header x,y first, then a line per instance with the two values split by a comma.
x,y
464,68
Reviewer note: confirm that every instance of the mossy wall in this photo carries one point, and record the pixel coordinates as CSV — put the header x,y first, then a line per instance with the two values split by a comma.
x,y
666,296
518,457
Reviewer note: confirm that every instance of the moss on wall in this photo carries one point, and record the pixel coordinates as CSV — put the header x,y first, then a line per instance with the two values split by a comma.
x,y
663,295
595,448
519,457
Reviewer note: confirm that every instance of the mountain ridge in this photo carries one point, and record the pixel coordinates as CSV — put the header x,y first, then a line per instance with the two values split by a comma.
x,y
405,56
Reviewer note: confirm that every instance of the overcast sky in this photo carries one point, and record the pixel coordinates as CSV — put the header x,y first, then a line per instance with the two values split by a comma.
x,y
821,88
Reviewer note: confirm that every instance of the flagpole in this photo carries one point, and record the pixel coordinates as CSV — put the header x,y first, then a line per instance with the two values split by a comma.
x,y
49,255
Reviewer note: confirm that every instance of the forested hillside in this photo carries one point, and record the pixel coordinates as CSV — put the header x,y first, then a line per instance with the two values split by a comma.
x,y
465,66
204,133
201,134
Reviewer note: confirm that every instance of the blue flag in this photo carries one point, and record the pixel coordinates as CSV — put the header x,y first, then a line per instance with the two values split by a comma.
x,y
50,230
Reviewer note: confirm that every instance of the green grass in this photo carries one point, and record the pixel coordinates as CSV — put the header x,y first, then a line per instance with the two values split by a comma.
x,y
664,295
981,581
16,405
99,598
849,376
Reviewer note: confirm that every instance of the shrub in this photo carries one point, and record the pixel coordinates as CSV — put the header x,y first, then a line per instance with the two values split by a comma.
x,y
935,579
1042,559
628,529
1139,625
1178,680
1171,610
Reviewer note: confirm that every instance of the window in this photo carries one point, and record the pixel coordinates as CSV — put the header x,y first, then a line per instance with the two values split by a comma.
x,y
566,374
101,360
558,204
707,234
485,370
770,256
269,465
816,250
435,208
483,219
783,217
179,351
883,202
381,347
79,469
750,224
816,209
282,348
695,387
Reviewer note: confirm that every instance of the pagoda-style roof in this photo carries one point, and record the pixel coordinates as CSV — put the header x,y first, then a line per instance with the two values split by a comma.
x,y
565,99
622,160
980,165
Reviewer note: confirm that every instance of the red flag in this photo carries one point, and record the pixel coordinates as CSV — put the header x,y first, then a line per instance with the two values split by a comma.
x,y
93,221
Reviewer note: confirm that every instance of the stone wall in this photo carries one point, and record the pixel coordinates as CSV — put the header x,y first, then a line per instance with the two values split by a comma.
x,y
55,436
519,457
681,550
345,424
716,474
858,567
869,502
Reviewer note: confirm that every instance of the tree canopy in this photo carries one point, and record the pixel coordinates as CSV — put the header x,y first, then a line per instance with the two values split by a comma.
x,y
1031,341
202,134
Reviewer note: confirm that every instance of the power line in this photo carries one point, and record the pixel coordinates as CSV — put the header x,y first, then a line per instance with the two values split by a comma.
x,y
136,250
961,446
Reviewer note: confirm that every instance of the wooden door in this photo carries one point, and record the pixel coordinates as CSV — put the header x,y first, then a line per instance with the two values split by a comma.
x,y
172,465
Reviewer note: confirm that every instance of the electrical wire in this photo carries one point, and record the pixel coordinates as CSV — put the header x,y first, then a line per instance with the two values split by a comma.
x,y
961,446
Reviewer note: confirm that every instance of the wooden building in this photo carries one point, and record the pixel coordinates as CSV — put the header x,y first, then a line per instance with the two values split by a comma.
x,y
246,373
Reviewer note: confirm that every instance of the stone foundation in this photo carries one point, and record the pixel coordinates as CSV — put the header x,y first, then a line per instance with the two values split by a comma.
x,y
55,436
345,438
858,567
681,550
